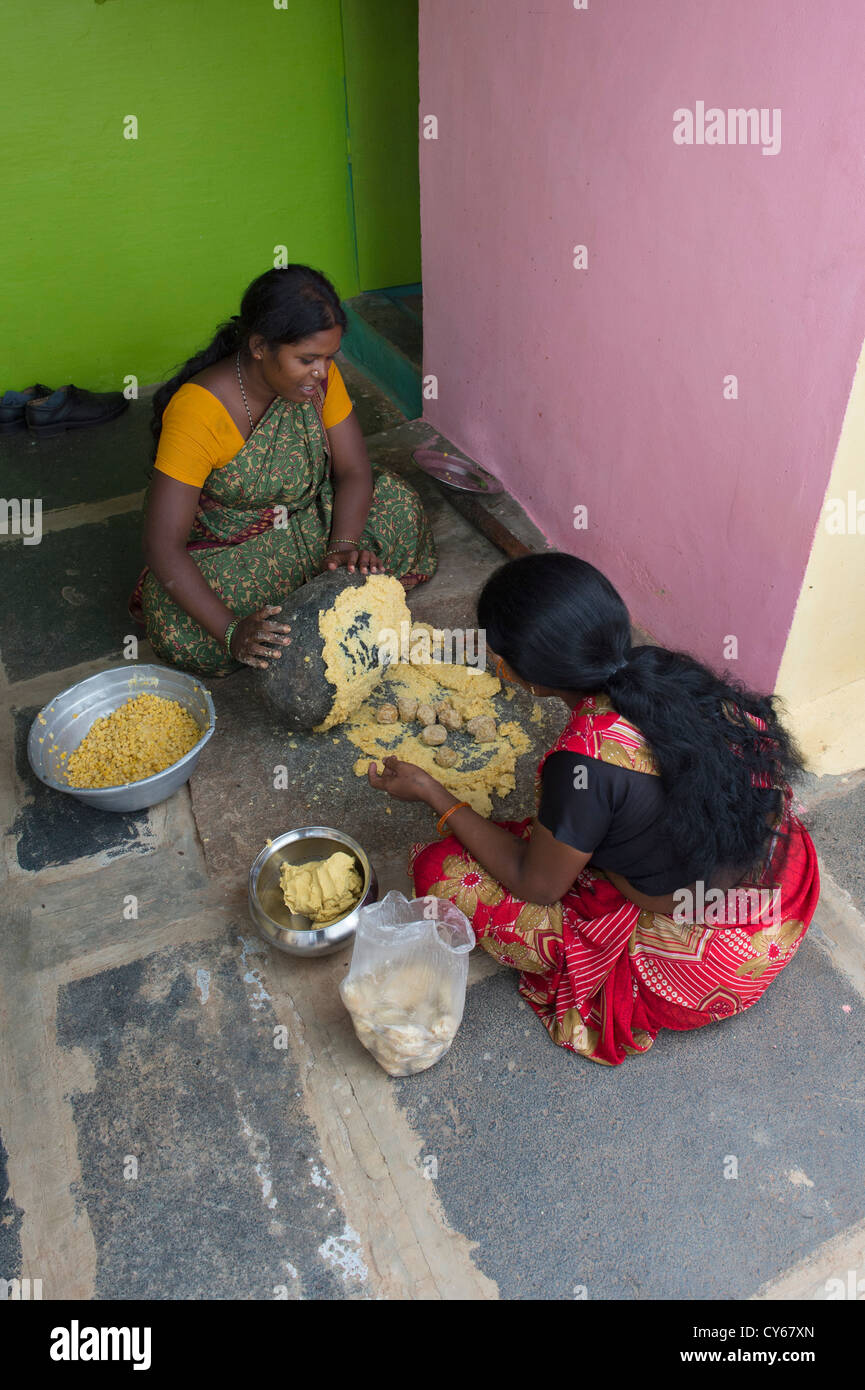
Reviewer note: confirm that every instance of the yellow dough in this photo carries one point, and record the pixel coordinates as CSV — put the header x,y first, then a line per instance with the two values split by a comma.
x,y
351,628
323,889
417,679
469,692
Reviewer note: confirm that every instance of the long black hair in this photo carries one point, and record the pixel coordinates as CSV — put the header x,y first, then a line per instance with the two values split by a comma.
x,y
558,622
284,305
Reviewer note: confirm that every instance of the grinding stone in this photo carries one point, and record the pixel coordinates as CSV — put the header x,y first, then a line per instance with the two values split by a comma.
x,y
294,686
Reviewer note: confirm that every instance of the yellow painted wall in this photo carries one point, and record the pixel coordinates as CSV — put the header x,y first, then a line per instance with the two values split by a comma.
x,y
822,674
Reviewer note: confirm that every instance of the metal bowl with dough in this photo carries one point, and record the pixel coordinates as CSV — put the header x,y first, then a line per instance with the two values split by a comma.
x,y
61,725
290,931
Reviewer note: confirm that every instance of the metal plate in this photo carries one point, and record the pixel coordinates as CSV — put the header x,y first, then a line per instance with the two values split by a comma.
x,y
456,472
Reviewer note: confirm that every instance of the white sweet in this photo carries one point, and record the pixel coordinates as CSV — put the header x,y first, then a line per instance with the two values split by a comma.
x,y
404,1024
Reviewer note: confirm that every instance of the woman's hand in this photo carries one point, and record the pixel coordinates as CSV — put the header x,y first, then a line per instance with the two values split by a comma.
x,y
257,636
405,781
365,560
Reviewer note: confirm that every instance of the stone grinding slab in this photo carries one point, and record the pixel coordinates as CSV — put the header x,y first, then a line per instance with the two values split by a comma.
x,y
237,807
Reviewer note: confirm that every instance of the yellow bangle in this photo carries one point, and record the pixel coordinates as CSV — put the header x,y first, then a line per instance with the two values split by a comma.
x,y
443,818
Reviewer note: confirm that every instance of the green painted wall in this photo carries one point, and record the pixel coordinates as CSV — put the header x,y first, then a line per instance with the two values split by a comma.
x,y
381,66
120,256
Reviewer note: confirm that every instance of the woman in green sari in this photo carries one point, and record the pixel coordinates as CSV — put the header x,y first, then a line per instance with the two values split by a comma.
x,y
261,481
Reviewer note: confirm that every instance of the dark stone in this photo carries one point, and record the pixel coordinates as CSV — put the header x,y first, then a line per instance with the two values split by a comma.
x,y
295,684
211,1110
11,1217
57,829
84,465
237,805
567,1173
64,600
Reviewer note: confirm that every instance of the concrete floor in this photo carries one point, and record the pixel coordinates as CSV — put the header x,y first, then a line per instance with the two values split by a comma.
x,y
157,1143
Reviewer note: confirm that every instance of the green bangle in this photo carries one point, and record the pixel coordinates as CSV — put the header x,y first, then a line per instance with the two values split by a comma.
x,y
229,633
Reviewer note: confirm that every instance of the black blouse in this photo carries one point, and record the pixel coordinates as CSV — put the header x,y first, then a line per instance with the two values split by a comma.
x,y
614,817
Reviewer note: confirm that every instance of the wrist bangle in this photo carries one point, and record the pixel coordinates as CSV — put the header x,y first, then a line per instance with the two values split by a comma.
x,y
229,633
344,540
442,819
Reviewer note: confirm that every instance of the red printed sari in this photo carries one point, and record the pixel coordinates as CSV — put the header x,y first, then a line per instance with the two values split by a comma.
x,y
605,975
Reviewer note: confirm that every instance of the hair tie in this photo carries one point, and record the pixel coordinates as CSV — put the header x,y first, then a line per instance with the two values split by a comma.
x,y
621,666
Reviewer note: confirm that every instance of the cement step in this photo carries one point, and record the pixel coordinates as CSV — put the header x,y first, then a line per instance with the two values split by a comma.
x,y
385,340
375,409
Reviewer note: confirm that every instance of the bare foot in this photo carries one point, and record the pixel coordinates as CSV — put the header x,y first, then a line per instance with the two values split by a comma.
x,y
408,581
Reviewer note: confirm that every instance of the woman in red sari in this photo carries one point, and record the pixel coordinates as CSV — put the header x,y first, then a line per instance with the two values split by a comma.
x,y
665,880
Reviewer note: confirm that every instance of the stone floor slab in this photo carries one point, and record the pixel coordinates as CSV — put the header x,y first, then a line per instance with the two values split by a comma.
x,y
53,829
837,825
573,1175
191,1095
78,466
64,600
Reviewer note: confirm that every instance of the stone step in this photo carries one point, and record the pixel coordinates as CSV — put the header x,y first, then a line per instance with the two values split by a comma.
x,y
375,409
385,341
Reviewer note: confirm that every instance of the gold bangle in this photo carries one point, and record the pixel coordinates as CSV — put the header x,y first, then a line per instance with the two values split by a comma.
x,y
443,818
228,634
344,540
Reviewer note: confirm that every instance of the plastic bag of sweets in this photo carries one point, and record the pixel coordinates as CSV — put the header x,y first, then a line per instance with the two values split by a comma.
x,y
406,985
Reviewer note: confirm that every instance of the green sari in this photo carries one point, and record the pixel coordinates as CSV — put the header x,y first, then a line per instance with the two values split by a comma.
x,y
262,530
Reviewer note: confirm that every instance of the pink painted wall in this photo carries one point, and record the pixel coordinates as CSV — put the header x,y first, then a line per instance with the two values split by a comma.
x,y
604,386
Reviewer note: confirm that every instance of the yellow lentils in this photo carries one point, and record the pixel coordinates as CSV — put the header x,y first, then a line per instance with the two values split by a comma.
x,y
143,736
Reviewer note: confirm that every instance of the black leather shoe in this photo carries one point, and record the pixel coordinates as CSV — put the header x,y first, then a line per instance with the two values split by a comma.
x,y
12,406
70,408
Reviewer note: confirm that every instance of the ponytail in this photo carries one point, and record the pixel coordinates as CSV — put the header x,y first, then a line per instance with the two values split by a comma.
x,y
722,753
226,341
725,758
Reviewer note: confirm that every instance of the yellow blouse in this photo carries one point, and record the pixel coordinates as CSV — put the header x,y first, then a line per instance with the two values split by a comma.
x,y
198,434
